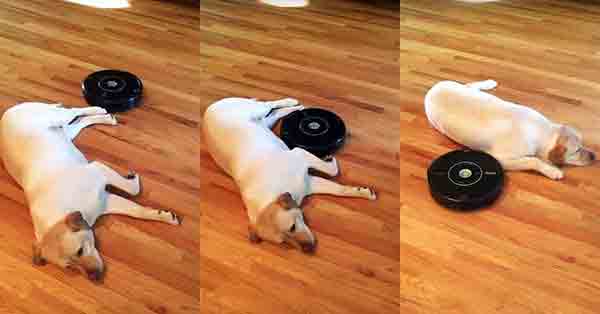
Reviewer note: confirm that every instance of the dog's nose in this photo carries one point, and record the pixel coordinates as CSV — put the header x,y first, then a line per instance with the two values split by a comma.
x,y
309,247
94,275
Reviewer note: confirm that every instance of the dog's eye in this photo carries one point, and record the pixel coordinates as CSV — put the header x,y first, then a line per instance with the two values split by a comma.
x,y
293,228
80,252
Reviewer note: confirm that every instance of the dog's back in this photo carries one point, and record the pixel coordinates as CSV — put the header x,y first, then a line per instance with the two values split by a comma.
x,y
32,143
233,127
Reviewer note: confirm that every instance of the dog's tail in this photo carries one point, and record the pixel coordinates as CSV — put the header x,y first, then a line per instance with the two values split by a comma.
x,y
483,85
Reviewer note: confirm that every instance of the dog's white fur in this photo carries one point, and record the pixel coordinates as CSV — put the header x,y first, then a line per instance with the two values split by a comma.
x,y
518,136
58,180
239,137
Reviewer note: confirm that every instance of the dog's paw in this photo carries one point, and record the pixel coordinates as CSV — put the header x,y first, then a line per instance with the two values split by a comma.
x,y
113,119
367,193
333,164
169,217
558,175
284,111
286,102
134,178
555,174
489,84
95,110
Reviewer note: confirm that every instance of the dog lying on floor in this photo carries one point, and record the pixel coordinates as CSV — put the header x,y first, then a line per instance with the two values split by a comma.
x,y
519,137
65,192
273,179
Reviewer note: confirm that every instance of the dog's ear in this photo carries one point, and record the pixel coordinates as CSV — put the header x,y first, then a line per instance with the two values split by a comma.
x,y
253,235
38,260
266,227
76,222
286,201
557,153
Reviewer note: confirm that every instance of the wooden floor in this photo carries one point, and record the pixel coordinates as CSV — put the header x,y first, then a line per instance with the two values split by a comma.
x,y
339,55
46,50
537,250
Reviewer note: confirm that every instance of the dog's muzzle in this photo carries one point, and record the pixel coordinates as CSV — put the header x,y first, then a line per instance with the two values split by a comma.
x,y
587,156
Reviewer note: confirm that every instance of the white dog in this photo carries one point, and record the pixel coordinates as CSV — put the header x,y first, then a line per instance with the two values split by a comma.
x,y
65,193
519,137
273,179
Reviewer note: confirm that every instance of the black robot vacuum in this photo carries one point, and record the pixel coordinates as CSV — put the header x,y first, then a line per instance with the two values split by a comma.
x,y
113,90
465,179
318,131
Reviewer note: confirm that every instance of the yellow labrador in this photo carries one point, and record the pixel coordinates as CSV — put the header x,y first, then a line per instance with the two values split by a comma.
x,y
272,178
518,136
65,192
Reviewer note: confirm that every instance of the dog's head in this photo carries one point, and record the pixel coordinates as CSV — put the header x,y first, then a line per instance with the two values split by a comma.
x,y
283,222
568,148
70,244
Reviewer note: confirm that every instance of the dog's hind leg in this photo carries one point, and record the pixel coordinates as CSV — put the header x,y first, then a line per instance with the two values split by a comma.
x,y
318,185
73,129
263,109
532,163
61,117
86,111
274,115
483,85
282,103
67,115
330,167
129,184
121,206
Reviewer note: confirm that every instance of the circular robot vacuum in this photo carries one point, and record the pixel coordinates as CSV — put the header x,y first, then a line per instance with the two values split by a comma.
x,y
318,131
113,90
465,179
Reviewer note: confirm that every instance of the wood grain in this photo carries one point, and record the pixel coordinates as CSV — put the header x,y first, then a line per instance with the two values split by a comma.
x,y
46,50
537,249
338,55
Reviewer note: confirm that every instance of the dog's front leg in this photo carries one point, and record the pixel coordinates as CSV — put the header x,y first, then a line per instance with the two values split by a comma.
x,y
318,185
121,206
131,184
532,163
